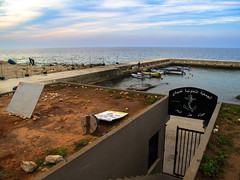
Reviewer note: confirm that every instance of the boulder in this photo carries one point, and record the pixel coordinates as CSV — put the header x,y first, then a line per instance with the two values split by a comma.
x,y
53,159
28,166
140,87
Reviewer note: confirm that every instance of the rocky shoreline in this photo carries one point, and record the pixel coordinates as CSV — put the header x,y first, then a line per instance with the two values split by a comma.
x,y
12,71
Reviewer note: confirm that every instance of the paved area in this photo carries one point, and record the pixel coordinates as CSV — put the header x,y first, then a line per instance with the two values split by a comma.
x,y
7,85
170,139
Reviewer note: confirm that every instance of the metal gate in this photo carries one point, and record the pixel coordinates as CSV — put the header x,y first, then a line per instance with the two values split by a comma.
x,y
187,141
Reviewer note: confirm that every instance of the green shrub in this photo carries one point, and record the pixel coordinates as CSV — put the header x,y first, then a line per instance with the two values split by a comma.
x,y
111,90
150,101
209,168
221,159
213,166
211,146
223,140
118,96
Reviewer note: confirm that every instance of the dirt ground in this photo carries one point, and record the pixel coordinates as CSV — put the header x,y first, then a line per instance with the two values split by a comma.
x,y
9,71
228,124
56,123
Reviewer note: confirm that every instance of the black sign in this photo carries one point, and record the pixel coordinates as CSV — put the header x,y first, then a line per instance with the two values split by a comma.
x,y
192,102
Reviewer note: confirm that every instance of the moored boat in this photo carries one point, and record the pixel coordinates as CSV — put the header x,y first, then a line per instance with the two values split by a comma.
x,y
160,71
139,75
147,74
175,71
152,74
188,68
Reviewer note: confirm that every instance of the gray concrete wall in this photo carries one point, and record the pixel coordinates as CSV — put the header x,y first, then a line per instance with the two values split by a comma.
x,y
207,63
123,152
94,76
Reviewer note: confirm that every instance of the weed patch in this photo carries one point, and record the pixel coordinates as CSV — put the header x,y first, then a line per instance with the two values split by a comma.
x,y
111,90
81,144
40,162
223,140
221,146
213,166
118,96
57,151
2,174
211,146
149,101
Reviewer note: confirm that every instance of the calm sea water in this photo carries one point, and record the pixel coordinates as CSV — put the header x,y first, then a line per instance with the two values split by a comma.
x,y
113,55
224,83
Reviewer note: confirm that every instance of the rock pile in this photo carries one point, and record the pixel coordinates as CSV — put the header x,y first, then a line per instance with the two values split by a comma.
x,y
30,166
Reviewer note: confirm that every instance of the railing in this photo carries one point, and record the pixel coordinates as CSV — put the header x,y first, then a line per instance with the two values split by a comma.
x,y
187,141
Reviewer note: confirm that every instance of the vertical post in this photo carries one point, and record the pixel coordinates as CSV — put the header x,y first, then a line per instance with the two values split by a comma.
x,y
87,124
176,151
1,77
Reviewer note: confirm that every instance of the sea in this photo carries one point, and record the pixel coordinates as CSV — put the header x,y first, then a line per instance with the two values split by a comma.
x,y
114,54
222,82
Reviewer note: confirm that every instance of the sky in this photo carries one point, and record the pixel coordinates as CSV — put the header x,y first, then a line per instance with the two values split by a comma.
x,y
119,23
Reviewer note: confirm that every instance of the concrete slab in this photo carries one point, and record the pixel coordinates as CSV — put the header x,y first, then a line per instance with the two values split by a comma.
x,y
189,123
25,99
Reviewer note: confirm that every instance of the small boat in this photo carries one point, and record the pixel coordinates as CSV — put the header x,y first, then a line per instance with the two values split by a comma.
x,y
161,72
147,74
188,68
152,74
175,71
138,76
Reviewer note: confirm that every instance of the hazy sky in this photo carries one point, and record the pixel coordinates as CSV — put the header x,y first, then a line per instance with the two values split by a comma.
x,y
119,23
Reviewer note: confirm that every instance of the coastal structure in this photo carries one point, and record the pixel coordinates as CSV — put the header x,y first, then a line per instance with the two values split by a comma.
x,y
139,151
102,73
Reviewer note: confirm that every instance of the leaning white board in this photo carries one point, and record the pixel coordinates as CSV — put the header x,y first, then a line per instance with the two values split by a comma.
x,y
25,99
110,115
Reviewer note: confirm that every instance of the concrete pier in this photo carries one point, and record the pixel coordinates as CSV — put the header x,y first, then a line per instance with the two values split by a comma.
x,y
112,71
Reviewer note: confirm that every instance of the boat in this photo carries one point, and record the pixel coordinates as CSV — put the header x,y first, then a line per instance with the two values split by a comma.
x,y
152,74
175,71
147,74
138,75
188,68
160,71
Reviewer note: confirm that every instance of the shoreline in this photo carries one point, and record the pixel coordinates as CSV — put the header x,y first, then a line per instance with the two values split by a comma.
x,y
9,71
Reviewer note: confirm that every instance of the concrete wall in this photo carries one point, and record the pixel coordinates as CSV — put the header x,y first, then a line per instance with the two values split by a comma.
x,y
94,76
207,63
123,152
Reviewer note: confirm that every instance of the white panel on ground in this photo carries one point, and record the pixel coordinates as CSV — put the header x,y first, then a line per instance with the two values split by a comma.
x,y
25,99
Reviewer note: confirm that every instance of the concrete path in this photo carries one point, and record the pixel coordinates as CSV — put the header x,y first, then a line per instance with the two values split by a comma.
x,y
170,139
7,85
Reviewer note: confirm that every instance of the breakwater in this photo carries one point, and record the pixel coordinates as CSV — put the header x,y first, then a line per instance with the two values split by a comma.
x,y
112,71
103,73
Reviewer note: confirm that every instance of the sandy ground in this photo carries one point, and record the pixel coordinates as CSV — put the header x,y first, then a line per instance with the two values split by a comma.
x,y
56,123
9,71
